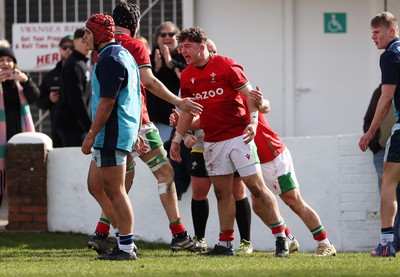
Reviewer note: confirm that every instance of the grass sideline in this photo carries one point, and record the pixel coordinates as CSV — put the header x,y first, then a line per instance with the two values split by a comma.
x,y
63,254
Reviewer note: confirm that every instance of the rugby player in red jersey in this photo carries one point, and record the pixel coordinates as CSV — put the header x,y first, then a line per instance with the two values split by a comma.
x,y
217,83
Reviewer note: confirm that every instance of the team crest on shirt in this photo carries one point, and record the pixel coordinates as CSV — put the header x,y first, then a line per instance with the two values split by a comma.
x,y
192,80
248,156
213,77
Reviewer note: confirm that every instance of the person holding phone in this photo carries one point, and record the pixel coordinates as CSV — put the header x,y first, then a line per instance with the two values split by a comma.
x,y
50,87
17,91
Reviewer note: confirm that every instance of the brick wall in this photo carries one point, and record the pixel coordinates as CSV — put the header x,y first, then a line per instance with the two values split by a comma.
x,y
26,179
359,196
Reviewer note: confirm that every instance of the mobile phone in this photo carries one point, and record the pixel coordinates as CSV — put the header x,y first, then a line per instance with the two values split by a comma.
x,y
9,74
13,74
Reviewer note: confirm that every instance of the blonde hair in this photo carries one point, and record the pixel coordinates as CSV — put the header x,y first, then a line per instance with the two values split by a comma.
x,y
385,19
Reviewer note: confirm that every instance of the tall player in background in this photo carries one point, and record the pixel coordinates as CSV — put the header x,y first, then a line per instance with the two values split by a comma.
x,y
385,34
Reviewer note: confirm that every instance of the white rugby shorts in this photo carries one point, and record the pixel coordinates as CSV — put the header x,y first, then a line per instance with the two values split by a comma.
x,y
279,175
225,157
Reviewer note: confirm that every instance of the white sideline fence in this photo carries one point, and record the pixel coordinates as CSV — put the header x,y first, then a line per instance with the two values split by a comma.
x,y
336,179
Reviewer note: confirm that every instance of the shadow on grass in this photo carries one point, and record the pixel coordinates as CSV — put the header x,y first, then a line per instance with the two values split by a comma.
x,y
57,240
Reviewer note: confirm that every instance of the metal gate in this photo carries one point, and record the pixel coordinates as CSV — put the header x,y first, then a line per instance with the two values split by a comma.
x,y
153,12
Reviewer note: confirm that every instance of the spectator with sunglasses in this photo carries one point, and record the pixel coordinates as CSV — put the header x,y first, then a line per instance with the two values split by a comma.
x,y
167,64
50,86
73,111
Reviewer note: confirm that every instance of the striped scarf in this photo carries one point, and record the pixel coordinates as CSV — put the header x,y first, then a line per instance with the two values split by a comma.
x,y
26,126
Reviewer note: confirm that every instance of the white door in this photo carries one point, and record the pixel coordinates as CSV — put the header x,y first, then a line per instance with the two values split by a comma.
x,y
335,65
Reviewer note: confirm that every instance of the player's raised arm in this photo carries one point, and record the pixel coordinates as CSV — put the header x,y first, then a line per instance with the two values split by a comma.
x,y
157,88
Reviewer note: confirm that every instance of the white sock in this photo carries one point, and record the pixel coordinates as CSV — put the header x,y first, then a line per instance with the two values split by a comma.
x,y
116,232
128,248
281,234
325,241
128,238
225,243
386,238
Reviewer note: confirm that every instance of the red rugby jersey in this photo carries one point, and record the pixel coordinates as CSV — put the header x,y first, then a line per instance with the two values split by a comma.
x,y
142,57
216,87
269,144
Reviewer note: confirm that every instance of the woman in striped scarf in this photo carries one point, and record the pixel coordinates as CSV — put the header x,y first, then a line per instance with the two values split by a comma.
x,y
17,90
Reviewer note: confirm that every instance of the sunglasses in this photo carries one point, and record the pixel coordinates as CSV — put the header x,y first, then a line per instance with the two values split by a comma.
x,y
65,47
170,34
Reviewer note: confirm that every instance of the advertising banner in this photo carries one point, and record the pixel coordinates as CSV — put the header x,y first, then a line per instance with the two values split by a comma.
x,y
36,44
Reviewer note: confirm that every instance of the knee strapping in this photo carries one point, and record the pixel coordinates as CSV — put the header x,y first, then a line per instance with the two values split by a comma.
x,y
130,167
158,161
166,188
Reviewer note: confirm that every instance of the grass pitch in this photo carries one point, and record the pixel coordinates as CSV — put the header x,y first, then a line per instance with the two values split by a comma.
x,y
60,254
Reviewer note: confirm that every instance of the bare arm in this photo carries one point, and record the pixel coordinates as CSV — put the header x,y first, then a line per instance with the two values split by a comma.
x,y
156,87
174,117
103,113
381,111
250,130
262,104
184,122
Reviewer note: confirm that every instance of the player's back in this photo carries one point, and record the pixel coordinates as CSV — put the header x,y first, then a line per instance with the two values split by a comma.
x,y
136,47
141,55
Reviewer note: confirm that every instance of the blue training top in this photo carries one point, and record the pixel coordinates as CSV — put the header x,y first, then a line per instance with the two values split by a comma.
x,y
116,75
390,68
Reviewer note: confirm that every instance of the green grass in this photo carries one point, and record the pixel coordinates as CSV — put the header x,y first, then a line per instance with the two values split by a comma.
x,y
59,254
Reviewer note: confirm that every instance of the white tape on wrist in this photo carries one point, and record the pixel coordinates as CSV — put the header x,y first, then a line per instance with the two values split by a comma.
x,y
254,117
176,100
177,138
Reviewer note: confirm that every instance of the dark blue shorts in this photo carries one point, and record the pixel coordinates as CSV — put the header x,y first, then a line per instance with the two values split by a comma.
x,y
197,166
109,157
392,151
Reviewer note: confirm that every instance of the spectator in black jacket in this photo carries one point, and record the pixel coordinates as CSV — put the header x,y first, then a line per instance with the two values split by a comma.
x,y
73,118
50,87
167,63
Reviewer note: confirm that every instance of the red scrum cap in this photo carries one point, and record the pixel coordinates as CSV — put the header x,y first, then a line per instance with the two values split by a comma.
x,y
102,27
